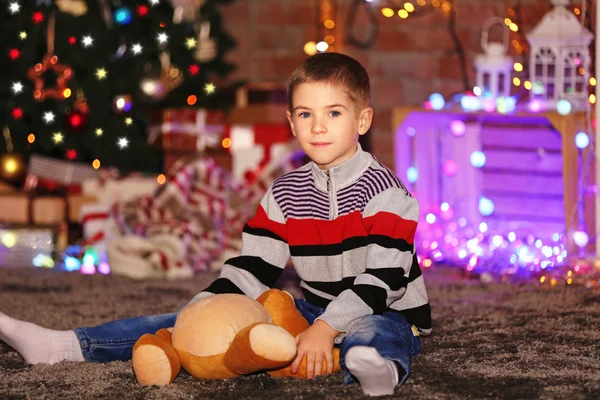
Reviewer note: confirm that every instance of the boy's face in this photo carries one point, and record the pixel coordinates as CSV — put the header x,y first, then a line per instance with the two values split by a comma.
x,y
327,123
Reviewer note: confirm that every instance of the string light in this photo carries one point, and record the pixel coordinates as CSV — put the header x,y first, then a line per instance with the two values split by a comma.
x,y
100,73
48,117
387,12
209,88
57,137
161,179
190,43
99,132
31,138
14,7
136,48
96,164
87,41
162,38
128,121
123,142
17,87
23,35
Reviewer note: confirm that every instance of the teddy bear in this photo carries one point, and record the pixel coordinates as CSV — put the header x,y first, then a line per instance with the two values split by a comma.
x,y
226,336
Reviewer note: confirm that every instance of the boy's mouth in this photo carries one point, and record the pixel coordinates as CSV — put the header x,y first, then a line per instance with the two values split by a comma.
x,y
320,144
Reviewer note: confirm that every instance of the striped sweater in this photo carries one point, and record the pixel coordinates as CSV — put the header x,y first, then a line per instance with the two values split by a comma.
x,y
350,233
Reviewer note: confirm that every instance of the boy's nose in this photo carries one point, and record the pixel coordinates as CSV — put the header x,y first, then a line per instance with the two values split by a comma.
x,y
318,127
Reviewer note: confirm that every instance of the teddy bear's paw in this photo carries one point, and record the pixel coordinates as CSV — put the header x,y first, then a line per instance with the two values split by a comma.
x,y
155,361
260,347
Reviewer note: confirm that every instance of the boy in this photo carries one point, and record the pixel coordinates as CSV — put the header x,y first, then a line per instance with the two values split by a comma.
x,y
348,224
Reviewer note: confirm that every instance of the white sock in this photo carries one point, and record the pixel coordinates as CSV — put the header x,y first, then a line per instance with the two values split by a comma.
x,y
37,344
377,375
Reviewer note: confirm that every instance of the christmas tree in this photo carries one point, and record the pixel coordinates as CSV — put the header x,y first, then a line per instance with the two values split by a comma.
x,y
81,78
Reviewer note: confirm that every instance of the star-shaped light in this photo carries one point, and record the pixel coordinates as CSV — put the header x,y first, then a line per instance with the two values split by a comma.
x,y
17,87
14,7
153,2
37,17
57,137
71,154
162,38
209,88
87,41
123,142
190,43
14,54
17,113
193,69
99,131
72,40
128,121
48,117
22,35
142,10
100,73
136,48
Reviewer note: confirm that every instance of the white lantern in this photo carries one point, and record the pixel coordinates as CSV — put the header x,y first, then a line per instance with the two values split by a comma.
x,y
494,66
560,58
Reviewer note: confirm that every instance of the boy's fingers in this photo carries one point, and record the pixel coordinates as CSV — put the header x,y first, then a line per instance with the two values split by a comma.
x,y
318,365
329,360
310,364
297,362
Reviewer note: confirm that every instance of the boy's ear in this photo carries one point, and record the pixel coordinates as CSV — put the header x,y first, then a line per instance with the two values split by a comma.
x,y
364,120
291,121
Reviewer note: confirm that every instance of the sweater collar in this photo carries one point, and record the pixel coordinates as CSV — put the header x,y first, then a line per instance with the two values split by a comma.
x,y
345,173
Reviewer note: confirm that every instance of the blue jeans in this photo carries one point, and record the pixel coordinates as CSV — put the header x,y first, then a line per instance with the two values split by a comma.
x,y
389,333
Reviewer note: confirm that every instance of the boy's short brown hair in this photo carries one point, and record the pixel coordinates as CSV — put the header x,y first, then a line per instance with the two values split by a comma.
x,y
335,69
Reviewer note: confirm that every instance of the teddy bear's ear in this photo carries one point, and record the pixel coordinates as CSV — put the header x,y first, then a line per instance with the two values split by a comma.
x,y
280,305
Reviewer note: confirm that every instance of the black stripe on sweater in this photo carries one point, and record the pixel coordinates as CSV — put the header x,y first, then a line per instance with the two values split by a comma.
x,y
223,285
418,316
374,296
332,288
261,232
393,277
267,274
415,270
314,299
350,244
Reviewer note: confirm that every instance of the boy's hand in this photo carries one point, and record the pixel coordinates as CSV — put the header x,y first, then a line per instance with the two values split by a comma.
x,y
317,344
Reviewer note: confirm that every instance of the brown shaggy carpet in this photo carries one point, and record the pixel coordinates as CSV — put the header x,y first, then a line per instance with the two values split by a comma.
x,y
490,341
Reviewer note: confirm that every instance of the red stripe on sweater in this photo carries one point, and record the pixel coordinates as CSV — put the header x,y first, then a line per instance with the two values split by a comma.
x,y
391,225
306,232
262,221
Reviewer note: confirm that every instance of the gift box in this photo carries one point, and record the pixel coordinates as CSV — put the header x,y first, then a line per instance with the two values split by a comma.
x,y
255,145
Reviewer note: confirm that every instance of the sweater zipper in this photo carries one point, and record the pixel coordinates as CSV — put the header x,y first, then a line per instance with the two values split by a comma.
x,y
332,200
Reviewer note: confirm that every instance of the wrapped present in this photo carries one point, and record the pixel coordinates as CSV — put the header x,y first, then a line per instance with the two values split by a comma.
x,y
186,129
256,145
180,132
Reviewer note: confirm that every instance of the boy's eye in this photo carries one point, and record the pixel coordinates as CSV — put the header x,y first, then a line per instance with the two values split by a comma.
x,y
335,113
304,114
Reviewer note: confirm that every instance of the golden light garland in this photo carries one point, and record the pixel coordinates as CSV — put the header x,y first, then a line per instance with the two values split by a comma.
x,y
327,29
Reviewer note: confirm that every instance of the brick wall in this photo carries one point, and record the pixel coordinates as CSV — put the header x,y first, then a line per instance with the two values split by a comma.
x,y
411,59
